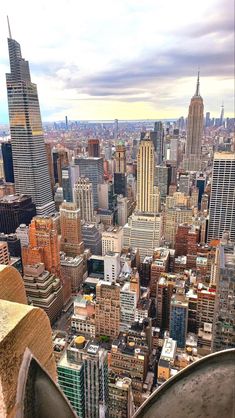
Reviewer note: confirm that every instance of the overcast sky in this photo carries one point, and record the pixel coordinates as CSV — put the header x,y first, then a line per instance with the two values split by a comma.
x,y
125,59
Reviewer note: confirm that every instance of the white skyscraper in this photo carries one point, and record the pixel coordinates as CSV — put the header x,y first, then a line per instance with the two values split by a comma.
x,y
222,202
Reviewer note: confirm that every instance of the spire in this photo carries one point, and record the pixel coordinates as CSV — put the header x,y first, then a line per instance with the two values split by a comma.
x,y
198,84
9,28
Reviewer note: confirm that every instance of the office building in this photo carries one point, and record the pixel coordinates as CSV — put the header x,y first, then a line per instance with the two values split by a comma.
x,y
83,377
143,232
186,240
166,286
205,318
120,158
122,210
94,148
175,217
71,233
72,271
157,137
83,318
112,239
145,176
201,185
128,359
179,319
192,158
15,210
60,160
120,397
92,238
43,245
83,197
166,360
7,162
13,243
107,309
224,318
92,168
111,266
222,200
43,290
66,182
31,174
160,264
4,253
22,233
162,179
120,184
128,303
184,184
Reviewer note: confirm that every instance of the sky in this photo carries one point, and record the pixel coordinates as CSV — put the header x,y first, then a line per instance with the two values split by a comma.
x,y
125,59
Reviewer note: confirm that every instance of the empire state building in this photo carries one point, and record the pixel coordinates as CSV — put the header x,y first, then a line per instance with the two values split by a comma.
x,y
28,148
192,158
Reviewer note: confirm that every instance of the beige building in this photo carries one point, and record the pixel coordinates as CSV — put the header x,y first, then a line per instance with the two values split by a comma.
x,y
71,233
143,232
107,309
112,239
173,218
83,197
71,269
145,176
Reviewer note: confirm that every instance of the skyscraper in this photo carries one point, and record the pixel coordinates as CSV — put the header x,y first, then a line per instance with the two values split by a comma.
x,y
194,131
83,197
179,319
222,202
93,169
93,148
71,234
145,176
28,149
7,162
120,158
157,136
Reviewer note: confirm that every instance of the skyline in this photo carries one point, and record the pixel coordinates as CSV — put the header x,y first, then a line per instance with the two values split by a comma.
x,y
139,72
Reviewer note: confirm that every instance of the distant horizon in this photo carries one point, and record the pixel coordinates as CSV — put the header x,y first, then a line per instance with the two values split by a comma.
x,y
126,60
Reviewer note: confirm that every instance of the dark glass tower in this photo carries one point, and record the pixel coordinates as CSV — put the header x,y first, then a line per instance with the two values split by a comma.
x,y
28,149
7,162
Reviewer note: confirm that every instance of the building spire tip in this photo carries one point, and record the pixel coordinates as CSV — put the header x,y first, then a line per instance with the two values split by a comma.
x,y
9,28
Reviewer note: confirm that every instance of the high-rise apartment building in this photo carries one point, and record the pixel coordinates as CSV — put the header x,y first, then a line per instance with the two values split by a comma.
x,y
28,149
15,210
192,160
107,309
7,162
92,168
145,176
222,200
94,148
204,318
224,318
83,197
71,233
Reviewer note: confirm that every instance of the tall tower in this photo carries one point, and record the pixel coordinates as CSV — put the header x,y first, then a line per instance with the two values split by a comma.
x,y
145,176
120,158
28,149
83,197
222,202
194,130
222,115
71,233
